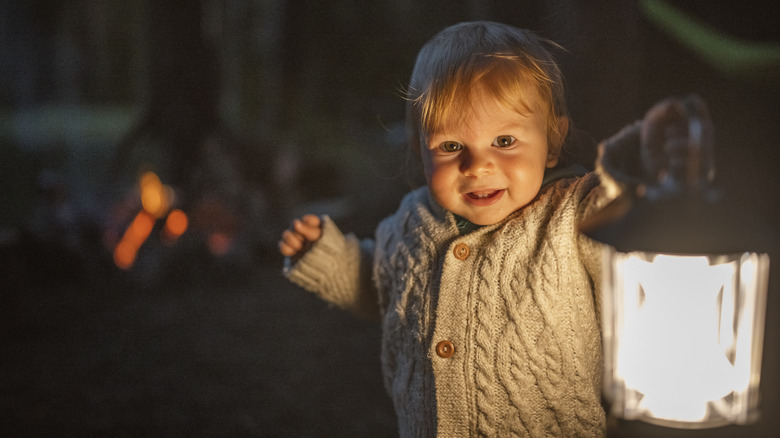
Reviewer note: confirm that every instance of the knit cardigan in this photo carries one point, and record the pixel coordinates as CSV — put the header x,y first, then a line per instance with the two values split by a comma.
x,y
518,302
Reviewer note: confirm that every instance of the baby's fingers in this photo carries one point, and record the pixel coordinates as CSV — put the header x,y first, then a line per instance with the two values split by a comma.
x,y
291,243
309,226
300,235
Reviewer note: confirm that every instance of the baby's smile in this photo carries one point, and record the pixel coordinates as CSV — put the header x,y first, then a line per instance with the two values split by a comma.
x,y
484,197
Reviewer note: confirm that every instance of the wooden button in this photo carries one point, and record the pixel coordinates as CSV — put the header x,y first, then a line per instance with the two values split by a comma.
x,y
461,251
445,349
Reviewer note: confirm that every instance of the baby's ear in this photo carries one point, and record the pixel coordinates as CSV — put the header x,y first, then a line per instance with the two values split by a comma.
x,y
556,142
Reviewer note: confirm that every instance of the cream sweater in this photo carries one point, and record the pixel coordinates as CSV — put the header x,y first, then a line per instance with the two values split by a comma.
x,y
516,303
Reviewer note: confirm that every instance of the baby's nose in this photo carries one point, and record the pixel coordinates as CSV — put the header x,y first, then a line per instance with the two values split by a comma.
x,y
477,164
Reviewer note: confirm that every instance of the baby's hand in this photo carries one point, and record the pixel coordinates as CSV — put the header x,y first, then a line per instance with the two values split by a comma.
x,y
666,140
297,239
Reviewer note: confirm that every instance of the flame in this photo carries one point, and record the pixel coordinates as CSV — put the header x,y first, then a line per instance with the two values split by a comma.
x,y
672,352
156,200
136,234
175,225
156,197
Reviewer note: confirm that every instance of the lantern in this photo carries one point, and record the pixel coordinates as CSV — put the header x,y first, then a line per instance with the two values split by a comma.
x,y
684,294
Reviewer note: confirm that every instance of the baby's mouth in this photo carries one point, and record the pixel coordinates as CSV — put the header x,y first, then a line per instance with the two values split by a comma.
x,y
483,197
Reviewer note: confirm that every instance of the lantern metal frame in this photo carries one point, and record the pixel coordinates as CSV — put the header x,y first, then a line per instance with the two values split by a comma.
x,y
682,218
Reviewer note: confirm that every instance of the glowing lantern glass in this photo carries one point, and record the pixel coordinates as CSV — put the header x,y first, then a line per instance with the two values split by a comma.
x,y
683,336
684,303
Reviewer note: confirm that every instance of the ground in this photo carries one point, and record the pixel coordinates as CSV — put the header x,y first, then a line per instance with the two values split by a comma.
x,y
243,355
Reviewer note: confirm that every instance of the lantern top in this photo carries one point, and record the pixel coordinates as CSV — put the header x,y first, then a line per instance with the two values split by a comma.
x,y
673,208
692,223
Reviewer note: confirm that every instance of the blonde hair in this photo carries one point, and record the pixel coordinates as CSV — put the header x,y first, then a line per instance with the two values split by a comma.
x,y
504,60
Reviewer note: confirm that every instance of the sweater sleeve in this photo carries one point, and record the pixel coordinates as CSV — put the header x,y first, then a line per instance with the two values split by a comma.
x,y
337,268
591,251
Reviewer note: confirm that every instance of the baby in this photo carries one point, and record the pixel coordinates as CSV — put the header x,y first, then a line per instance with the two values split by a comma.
x,y
488,295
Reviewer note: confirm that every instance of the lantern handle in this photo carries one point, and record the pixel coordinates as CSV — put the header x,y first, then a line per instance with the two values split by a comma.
x,y
694,154
700,166
688,167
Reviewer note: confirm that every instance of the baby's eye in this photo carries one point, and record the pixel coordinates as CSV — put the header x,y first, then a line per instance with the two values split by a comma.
x,y
450,146
503,141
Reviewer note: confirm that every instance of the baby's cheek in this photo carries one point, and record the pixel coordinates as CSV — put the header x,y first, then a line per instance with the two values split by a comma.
x,y
438,188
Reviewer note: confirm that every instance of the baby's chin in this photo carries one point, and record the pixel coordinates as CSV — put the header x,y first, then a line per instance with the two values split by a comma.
x,y
484,219
482,216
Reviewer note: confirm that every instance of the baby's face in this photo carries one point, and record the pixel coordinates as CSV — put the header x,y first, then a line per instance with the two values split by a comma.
x,y
491,163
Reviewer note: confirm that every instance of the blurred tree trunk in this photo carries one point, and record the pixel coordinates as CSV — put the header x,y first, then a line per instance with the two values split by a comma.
x,y
183,81
180,108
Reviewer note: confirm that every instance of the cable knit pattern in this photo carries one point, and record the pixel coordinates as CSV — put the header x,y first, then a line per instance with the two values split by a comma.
x,y
520,309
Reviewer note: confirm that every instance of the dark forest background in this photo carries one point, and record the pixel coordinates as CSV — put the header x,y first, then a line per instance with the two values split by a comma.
x,y
254,111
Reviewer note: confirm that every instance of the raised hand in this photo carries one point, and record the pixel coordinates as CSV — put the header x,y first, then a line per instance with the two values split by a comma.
x,y
297,239
676,139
